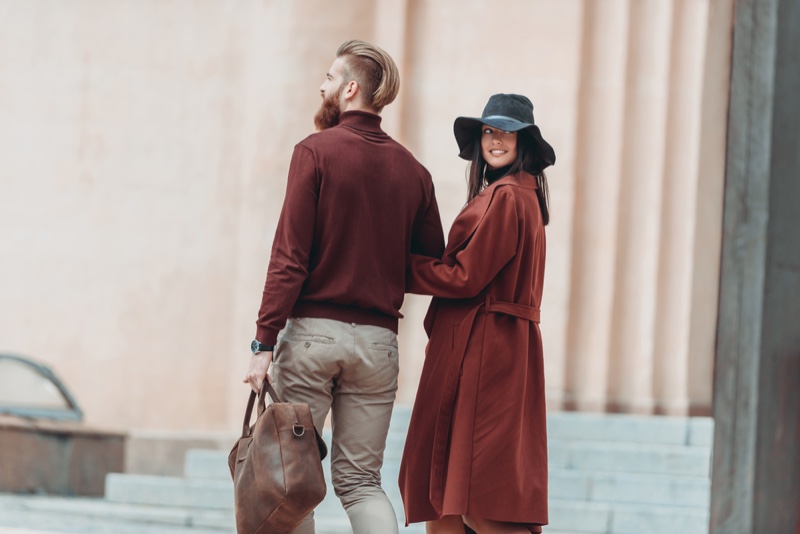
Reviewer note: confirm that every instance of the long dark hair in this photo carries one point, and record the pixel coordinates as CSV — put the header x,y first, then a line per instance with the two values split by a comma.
x,y
528,160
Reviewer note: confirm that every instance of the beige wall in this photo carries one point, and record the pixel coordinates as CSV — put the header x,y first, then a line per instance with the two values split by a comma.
x,y
144,147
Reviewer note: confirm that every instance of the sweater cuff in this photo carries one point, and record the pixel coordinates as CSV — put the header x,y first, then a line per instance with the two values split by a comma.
x,y
267,336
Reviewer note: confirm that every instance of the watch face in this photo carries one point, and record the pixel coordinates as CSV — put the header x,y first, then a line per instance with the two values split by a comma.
x,y
254,346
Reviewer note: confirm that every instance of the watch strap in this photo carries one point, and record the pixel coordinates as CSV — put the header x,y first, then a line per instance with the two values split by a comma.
x,y
256,346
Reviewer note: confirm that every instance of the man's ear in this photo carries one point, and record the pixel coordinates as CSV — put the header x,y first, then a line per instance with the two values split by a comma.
x,y
351,90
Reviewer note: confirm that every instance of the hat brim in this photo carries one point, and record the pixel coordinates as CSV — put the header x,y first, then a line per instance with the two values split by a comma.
x,y
466,128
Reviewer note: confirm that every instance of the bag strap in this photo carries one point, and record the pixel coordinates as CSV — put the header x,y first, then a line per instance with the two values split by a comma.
x,y
266,388
270,390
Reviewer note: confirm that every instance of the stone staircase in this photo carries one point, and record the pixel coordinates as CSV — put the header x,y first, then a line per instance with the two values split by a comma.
x,y
622,474
609,474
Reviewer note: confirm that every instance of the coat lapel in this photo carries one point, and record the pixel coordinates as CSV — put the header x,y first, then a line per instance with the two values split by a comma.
x,y
471,216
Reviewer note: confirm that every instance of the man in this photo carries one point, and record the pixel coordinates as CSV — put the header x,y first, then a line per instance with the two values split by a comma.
x,y
357,203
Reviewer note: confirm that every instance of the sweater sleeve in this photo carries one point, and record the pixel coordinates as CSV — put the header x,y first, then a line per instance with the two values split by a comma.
x,y
492,245
428,239
291,248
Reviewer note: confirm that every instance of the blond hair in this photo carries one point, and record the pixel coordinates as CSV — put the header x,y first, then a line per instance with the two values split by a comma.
x,y
373,69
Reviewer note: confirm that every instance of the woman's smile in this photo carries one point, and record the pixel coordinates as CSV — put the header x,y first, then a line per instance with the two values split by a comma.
x,y
499,148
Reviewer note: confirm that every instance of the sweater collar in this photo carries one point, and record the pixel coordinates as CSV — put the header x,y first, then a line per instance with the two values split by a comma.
x,y
361,120
492,175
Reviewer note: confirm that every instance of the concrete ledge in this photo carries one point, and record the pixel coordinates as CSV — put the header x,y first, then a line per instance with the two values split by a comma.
x,y
61,458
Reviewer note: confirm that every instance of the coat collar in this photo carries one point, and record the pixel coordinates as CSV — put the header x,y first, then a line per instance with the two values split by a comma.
x,y
361,120
473,213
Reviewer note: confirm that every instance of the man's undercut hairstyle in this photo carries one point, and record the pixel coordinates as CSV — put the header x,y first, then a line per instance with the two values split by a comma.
x,y
373,69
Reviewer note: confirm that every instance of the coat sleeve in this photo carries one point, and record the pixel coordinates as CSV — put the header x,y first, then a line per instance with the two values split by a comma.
x,y
291,248
492,245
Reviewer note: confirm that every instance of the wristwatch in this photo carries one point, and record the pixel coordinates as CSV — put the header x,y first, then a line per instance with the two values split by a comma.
x,y
256,346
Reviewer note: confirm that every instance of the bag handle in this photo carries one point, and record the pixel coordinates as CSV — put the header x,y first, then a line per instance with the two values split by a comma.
x,y
266,388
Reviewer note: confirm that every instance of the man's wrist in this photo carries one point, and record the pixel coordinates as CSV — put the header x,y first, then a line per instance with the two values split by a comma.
x,y
256,346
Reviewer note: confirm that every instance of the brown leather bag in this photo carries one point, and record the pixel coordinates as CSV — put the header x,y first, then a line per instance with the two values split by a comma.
x,y
276,467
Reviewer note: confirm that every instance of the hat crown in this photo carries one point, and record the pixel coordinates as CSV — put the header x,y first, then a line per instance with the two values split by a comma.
x,y
506,112
516,107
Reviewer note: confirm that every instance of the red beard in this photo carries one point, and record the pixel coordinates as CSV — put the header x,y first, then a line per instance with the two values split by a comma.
x,y
328,114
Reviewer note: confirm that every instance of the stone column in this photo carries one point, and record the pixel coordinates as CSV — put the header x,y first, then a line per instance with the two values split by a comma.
x,y
391,34
643,157
679,204
755,487
710,184
594,243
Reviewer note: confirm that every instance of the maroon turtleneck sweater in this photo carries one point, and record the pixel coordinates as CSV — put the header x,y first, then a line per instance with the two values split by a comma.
x,y
357,204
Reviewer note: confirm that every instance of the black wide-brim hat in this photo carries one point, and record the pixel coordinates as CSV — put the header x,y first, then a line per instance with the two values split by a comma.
x,y
510,113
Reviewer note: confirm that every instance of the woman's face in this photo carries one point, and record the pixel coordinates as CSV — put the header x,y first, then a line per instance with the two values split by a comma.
x,y
499,148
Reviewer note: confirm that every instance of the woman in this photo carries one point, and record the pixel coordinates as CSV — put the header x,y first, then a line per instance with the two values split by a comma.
x,y
476,451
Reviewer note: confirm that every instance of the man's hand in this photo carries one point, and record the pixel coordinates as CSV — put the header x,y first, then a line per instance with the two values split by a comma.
x,y
259,365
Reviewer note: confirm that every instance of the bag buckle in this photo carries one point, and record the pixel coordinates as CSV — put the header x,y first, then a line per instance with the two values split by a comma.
x,y
298,430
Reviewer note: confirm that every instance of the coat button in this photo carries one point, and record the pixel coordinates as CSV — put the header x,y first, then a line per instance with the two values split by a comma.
x,y
307,344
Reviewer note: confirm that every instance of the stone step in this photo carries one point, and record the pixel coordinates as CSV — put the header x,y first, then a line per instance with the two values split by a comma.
x,y
210,494
202,463
630,457
673,430
590,428
585,426
89,516
609,486
603,518
610,474
658,519
580,455
205,464
663,430
630,488
575,485
85,515
98,516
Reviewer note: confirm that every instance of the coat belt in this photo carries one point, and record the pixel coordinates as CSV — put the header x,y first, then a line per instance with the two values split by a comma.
x,y
447,404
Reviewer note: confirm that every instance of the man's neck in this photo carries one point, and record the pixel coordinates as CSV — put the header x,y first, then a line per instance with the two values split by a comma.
x,y
357,106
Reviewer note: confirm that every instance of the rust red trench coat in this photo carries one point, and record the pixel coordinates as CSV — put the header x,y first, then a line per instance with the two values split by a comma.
x,y
477,440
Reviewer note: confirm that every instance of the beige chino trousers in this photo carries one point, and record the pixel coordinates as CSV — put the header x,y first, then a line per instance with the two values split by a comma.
x,y
351,371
